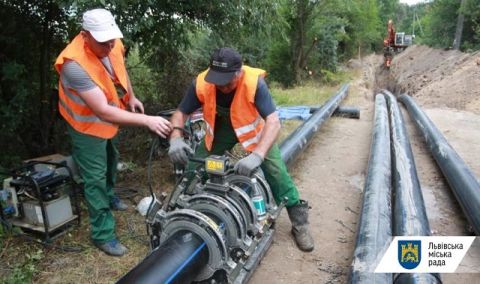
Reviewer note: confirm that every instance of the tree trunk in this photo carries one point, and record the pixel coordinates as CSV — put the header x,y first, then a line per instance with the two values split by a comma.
x,y
44,74
299,35
458,32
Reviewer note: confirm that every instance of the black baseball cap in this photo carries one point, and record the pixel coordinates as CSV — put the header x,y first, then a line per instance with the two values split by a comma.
x,y
224,63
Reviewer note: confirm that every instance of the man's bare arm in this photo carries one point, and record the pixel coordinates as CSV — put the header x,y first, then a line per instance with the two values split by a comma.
x,y
269,134
178,120
97,102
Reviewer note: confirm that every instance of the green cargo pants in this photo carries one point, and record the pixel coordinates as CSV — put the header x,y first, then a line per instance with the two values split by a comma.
x,y
97,160
273,167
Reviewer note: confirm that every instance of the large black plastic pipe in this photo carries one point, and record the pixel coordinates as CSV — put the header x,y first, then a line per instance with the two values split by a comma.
x,y
375,227
461,179
157,267
409,214
177,260
342,111
298,140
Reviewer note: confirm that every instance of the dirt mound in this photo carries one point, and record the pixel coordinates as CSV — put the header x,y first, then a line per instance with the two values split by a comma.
x,y
439,78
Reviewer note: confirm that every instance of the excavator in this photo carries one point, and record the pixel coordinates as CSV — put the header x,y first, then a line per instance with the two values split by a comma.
x,y
394,43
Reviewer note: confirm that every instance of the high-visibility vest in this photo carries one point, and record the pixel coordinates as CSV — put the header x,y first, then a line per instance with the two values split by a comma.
x,y
71,105
246,121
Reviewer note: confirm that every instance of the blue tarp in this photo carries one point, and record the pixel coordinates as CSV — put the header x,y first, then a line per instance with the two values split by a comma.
x,y
294,112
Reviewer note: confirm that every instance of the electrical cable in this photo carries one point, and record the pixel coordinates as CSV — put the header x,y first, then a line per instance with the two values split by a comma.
x,y
9,227
149,173
126,192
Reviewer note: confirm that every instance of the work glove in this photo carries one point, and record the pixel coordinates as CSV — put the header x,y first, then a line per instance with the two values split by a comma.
x,y
179,151
247,165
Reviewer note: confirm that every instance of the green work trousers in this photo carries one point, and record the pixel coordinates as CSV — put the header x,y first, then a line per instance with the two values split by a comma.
x,y
273,166
97,160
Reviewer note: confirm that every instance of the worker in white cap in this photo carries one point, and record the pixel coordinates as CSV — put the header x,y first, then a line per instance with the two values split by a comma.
x,y
95,97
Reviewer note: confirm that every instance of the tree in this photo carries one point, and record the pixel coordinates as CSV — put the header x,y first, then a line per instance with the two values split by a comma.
x,y
459,29
443,24
34,33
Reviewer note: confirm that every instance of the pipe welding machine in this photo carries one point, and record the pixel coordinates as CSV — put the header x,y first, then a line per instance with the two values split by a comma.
x,y
214,227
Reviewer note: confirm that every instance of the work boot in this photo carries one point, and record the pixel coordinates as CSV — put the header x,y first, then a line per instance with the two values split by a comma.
x,y
113,248
118,205
298,215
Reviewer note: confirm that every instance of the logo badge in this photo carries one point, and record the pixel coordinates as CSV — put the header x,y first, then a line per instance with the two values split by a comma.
x,y
409,253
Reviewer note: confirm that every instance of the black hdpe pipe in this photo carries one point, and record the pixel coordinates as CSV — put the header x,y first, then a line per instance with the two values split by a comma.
x,y
461,179
409,214
342,111
177,260
298,140
375,226
158,267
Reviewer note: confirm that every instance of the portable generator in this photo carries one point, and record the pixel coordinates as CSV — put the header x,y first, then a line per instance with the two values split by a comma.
x,y
38,197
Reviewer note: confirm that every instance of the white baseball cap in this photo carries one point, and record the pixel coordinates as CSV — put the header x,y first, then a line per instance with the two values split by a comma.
x,y
101,25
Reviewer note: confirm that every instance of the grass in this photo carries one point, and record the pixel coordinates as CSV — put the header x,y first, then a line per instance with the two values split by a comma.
x,y
310,94
29,262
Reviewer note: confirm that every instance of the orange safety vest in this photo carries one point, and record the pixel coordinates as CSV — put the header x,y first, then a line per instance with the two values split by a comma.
x,y
71,105
246,121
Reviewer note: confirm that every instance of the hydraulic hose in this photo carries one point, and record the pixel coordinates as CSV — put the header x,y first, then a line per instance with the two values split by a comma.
x,y
375,226
177,260
460,177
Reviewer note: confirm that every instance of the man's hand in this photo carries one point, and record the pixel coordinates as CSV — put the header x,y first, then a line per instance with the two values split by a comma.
x,y
159,125
247,165
135,105
179,151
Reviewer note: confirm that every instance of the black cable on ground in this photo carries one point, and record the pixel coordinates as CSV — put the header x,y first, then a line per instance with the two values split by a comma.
x,y
10,228
126,192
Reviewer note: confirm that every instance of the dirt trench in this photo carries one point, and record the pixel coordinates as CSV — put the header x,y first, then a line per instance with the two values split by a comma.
x,y
330,174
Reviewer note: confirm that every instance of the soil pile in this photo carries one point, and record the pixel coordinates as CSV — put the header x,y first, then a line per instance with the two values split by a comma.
x,y
439,78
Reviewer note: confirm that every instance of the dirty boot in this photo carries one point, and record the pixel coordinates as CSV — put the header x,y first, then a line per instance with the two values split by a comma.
x,y
113,248
118,204
298,215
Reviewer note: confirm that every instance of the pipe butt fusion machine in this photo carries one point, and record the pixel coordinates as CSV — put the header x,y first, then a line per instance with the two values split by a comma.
x,y
209,230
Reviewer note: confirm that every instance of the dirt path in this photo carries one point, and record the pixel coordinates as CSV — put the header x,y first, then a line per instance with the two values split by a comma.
x,y
330,174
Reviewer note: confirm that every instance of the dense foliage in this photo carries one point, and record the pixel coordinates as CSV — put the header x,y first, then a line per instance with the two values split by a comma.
x,y
170,41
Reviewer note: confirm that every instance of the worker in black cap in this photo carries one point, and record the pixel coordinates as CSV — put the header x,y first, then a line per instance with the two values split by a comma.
x,y
238,108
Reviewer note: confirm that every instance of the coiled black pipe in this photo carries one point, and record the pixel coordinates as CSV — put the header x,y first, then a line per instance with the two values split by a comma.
x,y
298,140
461,179
177,260
410,216
375,227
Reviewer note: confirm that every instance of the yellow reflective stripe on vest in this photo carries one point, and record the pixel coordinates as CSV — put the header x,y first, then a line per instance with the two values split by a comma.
x,y
78,100
209,128
248,128
82,118
251,141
